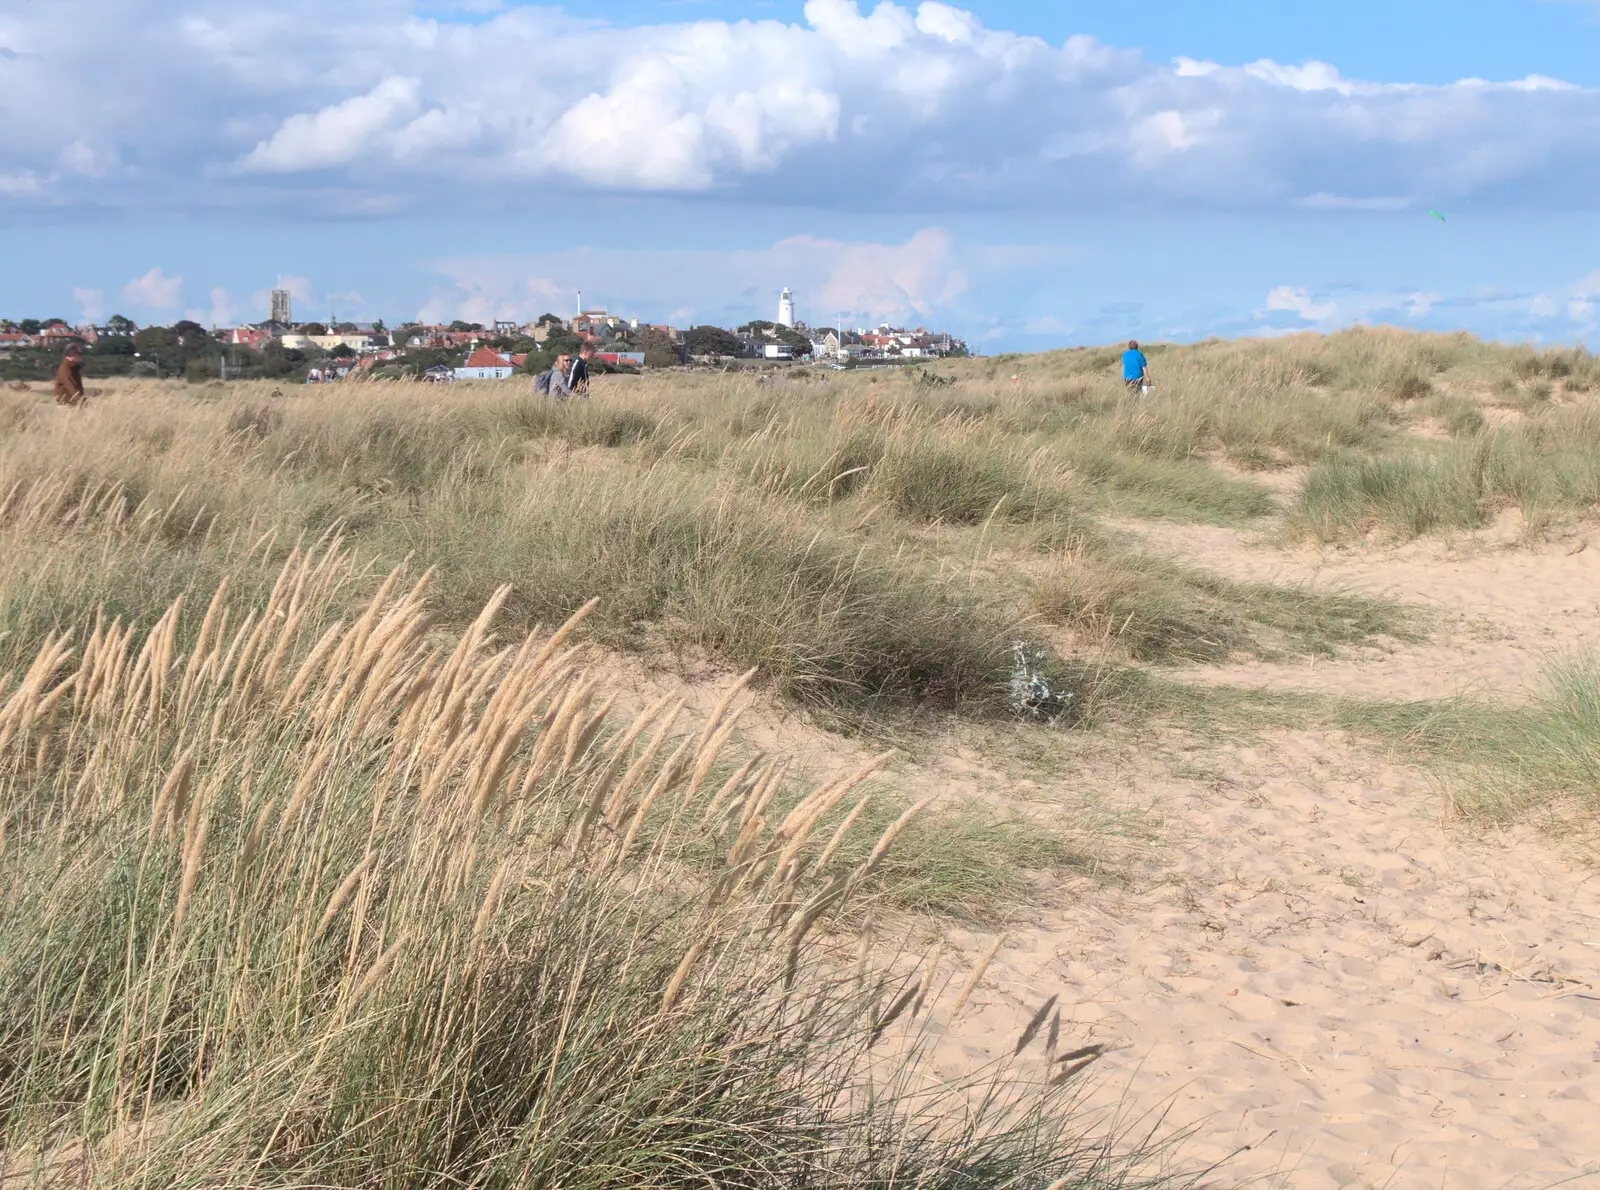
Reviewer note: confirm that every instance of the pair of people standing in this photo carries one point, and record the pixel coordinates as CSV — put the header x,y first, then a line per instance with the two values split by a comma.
x,y
569,377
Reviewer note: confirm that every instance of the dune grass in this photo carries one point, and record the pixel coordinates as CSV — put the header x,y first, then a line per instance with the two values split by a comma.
x,y
1160,611
1506,763
370,905
824,533
681,562
1348,406
1541,469
861,539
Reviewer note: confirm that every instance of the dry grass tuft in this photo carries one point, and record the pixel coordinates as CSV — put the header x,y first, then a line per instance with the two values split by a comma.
x,y
335,905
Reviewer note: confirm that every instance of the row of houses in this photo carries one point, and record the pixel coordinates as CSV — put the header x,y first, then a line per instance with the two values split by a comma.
x,y
886,343
56,334
613,337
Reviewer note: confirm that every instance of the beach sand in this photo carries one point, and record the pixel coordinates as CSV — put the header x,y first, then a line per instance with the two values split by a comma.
x,y
1321,978
1332,971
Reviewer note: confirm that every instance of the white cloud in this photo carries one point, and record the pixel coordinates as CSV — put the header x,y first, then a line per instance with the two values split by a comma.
x,y
893,281
337,134
91,161
1309,76
373,106
19,182
486,295
865,281
155,290
300,288
1345,202
1540,82
221,312
1420,305
1286,298
92,302
1170,131
952,24
1587,287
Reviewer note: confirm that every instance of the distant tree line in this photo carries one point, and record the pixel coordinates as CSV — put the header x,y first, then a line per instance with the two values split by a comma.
x,y
183,349
188,350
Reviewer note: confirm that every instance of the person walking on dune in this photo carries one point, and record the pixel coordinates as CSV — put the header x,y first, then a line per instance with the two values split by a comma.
x,y
1135,368
69,377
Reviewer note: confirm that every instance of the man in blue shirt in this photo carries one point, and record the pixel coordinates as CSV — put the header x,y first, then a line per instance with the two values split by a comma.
x,y
1135,368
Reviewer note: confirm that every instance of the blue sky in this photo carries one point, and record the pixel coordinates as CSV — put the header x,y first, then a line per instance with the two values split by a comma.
x,y
1026,174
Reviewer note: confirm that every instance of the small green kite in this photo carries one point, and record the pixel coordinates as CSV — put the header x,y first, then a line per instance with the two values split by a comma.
x,y
1437,216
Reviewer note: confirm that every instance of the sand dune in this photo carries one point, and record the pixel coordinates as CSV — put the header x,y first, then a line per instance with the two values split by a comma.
x,y
1329,978
1328,973
1501,614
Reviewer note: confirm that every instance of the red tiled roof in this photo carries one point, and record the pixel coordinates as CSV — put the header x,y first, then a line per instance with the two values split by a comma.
x,y
486,357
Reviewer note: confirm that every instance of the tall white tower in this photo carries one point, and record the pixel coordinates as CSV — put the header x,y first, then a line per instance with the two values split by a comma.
x,y
786,309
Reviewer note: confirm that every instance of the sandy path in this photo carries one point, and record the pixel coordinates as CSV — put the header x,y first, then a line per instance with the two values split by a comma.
x,y
1318,968
1308,982
1504,614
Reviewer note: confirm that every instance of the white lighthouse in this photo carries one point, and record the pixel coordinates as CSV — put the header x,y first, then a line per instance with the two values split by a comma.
x,y
786,309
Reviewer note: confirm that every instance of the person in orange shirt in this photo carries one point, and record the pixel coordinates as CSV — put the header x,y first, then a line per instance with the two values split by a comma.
x,y
69,377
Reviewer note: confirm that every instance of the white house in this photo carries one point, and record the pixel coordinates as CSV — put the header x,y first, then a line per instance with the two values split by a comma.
x,y
299,342
486,364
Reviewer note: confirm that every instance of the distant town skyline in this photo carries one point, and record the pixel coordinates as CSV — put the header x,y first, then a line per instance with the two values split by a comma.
x,y
1254,168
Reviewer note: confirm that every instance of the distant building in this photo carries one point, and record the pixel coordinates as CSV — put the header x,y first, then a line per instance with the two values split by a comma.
x,y
248,336
786,309
441,338
486,364
281,311
356,341
55,334
778,351
619,359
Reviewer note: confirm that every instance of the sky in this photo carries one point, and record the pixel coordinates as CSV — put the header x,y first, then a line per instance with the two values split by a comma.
x,y
1026,174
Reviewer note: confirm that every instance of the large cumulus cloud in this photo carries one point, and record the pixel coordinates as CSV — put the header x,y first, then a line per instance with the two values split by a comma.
x,y
370,106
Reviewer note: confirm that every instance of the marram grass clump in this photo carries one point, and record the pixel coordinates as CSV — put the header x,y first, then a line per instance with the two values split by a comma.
x,y
296,903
